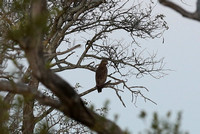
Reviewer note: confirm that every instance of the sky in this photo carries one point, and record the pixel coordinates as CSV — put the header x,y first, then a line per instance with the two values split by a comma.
x,y
178,91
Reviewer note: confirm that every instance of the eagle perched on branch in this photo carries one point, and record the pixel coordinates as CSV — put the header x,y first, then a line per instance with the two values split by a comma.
x,y
101,75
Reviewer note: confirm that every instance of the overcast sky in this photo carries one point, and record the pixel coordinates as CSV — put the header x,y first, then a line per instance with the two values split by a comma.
x,y
178,91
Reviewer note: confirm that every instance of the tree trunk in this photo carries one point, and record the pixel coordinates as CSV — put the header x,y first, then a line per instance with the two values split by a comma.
x,y
28,117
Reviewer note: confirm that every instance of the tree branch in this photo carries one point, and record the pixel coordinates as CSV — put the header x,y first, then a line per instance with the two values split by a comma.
x,y
39,118
21,88
183,12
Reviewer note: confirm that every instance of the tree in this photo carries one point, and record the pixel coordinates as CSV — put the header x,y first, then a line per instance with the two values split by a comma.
x,y
33,30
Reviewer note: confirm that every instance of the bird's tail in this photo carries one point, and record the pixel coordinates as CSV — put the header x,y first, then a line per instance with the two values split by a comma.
x,y
99,89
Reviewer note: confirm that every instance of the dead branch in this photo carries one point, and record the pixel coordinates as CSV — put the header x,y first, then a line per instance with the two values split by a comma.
x,y
183,12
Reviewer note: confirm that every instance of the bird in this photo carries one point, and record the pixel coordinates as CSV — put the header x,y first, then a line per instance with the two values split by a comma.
x,y
101,75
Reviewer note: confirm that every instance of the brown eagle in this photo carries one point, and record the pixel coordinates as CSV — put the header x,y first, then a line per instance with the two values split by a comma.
x,y
101,75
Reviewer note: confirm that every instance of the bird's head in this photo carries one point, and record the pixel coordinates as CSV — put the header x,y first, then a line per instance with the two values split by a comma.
x,y
104,62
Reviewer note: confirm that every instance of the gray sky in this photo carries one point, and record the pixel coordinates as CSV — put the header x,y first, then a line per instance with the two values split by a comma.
x,y
178,91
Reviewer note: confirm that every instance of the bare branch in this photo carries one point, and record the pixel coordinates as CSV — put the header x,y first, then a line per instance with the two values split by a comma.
x,y
120,98
64,52
183,12
37,119
88,91
20,88
94,88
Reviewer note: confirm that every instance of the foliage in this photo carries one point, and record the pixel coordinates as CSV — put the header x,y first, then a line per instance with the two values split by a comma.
x,y
3,116
164,125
